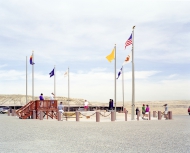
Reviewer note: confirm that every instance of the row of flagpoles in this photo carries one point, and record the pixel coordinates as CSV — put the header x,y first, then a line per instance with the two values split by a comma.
x,y
129,58
52,73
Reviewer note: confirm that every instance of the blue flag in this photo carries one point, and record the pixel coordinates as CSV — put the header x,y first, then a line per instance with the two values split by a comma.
x,y
119,73
51,73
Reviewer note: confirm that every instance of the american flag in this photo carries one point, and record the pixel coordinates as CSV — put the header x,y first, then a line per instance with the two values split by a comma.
x,y
129,41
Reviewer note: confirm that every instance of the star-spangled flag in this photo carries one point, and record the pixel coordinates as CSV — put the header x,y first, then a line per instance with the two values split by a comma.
x,y
129,41
31,60
51,73
119,73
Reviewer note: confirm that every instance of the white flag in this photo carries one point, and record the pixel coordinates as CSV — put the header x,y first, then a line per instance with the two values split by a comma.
x,y
128,59
66,73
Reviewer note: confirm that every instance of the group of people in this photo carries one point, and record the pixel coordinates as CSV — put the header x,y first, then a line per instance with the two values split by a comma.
x,y
145,111
41,97
111,104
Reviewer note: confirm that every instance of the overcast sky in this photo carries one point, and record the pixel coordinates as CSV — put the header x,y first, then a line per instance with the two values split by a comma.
x,y
80,34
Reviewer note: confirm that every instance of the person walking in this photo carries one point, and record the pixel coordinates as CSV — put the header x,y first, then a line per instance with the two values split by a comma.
x,y
166,111
85,105
110,104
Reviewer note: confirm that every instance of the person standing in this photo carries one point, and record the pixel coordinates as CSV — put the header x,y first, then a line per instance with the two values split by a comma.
x,y
60,107
147,111
85,105
189,110
137,110
166,111
51,99
41,99
110,104
143,111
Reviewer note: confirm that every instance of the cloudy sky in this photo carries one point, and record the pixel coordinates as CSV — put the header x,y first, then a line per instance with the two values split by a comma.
x,y
79,35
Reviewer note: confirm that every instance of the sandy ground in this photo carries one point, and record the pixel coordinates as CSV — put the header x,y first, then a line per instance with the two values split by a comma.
x,y
52,136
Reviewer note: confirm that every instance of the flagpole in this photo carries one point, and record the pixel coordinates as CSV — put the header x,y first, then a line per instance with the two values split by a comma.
x,y
54,82
133,80
26,81
115,82
123,86
32,76
68,91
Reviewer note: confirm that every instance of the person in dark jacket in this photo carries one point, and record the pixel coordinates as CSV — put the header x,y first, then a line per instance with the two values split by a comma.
x,y
189,110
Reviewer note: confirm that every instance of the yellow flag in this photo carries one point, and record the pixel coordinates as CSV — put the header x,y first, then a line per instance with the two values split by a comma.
x,y
111,56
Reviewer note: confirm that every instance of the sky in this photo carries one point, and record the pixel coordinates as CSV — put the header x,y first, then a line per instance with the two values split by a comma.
x,y
80,34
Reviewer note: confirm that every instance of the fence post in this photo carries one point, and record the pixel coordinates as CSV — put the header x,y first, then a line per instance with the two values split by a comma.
x,y
149,115
138,115
13,112
77,116
8,113
112,115
126,115
170,115
41,115
59,116
154,113
97,116
34,114
159,115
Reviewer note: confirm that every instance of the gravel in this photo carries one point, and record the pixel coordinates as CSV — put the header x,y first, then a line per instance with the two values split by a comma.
x,y
51,136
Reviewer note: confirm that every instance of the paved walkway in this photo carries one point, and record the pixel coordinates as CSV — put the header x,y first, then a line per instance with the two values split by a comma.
x,y
29,136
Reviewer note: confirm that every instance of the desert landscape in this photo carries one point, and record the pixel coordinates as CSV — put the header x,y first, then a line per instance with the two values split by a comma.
x,y
178,107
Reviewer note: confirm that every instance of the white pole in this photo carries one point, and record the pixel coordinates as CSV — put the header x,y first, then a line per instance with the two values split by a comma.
x,y
115,81
32,75
123,85
133,80
26,82
68,91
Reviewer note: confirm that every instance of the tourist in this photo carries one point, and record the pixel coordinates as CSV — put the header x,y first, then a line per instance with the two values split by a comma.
x,y
86,105
51,99
137,110
166,111
110,104
147,111
60,107
189,110
143,111
41,99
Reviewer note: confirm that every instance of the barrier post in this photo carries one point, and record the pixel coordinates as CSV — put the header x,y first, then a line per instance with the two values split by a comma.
x,y
77,116
13,112
97,116
170,115
112,116
138,113
59,116
159,115
8,113
126,115
41,115
34,114
149,115
154,113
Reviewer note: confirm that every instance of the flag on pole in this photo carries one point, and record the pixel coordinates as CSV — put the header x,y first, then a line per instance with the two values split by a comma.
x,y
111,56
31,60
51,73
66,74
119,73
128,59
129,41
